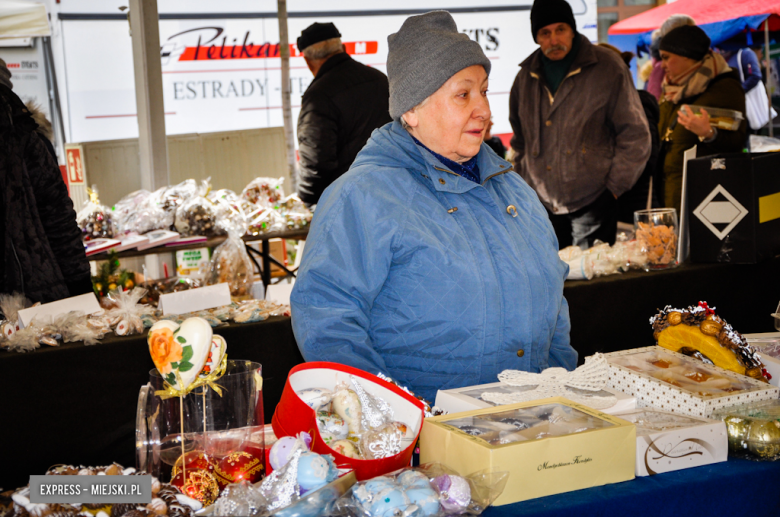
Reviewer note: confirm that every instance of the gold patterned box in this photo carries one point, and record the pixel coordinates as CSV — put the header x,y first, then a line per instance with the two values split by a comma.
x,y
548,446
674,382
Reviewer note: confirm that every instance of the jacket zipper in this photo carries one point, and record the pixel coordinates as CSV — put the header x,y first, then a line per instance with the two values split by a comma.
x,y
550,96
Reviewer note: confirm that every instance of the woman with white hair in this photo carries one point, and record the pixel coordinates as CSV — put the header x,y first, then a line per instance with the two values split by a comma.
x,y
430,260
657,74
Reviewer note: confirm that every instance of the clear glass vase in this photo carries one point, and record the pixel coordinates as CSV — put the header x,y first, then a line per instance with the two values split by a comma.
x,y
212,423
657,232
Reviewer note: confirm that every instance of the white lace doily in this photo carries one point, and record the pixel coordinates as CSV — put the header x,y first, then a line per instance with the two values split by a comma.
x,y
584,385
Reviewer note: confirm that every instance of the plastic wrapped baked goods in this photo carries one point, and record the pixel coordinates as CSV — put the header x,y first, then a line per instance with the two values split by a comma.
x,y
231,263
198,216
154,288
229,204
142,211
730,120
95,220
266,192
603,259
126,211
265,220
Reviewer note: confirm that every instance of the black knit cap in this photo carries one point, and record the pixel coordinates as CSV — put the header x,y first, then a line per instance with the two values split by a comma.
x,y
317,32
547,12
687,41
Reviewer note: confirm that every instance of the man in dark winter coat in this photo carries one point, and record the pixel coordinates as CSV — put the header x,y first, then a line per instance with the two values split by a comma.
x,y
344,103
637,198
580,134
42,256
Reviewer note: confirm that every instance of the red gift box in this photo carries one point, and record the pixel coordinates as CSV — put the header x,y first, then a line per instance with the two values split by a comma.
x,y
293,415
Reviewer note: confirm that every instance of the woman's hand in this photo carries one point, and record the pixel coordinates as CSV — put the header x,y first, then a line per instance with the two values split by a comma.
x,y
696,124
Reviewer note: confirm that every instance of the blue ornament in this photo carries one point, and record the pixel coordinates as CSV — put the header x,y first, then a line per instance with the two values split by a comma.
x,y
313,471
376,485
426,498
280,452
412,478
387,502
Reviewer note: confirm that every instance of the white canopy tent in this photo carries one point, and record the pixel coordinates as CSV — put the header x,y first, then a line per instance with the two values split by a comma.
x,y
23,19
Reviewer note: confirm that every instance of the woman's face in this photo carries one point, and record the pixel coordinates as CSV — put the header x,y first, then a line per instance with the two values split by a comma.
x,y
675,65
452,122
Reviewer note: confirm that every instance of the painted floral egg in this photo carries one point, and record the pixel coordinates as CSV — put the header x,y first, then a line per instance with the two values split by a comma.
x,y
346,448
332,424
317,398
346,404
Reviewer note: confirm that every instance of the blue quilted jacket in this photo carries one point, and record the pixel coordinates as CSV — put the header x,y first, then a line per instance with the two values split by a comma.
x,y
432,279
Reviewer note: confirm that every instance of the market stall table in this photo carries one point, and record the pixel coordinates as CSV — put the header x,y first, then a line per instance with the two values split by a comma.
x,y
733,488
76,404
264,254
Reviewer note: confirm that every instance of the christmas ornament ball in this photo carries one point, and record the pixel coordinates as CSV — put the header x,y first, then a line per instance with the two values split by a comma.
x,y
194,460
199,484
454,491
237,467
737,430
764,439
315,471
387,502
426,498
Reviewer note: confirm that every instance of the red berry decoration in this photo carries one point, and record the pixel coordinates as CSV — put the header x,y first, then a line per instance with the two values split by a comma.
x,y
237,467
195,460
199,484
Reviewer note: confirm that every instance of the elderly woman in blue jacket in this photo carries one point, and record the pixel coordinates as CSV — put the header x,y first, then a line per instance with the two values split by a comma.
x,y
430,260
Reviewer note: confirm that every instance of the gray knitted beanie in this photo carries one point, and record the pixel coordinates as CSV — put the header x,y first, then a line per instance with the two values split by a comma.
x,y
424,54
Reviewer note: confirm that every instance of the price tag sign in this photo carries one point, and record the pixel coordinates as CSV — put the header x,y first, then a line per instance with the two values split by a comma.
x,y
193,300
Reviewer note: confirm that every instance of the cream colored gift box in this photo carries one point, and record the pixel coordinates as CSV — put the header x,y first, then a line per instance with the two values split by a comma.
x,y
674,382
469,398
666,442
602,454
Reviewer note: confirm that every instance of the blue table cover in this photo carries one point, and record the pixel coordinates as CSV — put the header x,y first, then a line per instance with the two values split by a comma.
x,y
729,489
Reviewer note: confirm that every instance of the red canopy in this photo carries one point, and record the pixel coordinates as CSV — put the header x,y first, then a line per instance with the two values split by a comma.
x,y
703,11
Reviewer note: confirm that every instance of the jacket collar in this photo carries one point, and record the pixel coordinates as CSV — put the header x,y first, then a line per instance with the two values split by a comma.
x,y
392,146
443,179
585,57
331,63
